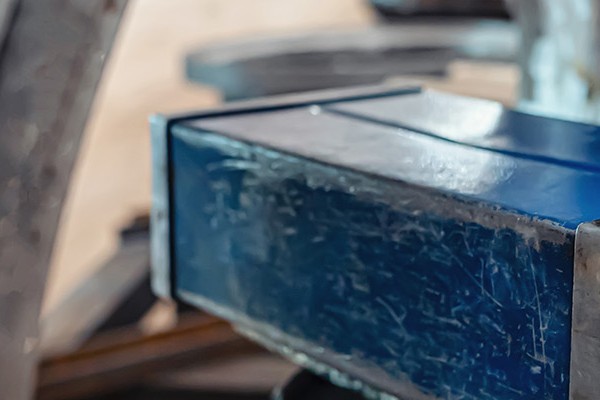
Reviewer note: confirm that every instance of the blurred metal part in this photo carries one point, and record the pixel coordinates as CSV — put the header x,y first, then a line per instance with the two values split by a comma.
x,y
50,65
559,57
396,8
7,13
322,60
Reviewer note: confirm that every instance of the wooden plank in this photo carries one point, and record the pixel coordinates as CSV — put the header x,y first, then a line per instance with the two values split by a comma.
x,y
51,63
123,359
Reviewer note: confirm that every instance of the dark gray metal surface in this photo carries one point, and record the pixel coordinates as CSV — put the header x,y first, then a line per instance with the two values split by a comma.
x,y
399,8
50,66
7,12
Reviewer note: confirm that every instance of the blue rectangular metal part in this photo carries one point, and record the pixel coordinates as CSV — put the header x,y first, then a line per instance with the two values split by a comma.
x,y
415,244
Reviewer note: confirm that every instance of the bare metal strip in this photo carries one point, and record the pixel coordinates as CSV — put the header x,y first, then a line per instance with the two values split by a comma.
x,y
585,345
160,228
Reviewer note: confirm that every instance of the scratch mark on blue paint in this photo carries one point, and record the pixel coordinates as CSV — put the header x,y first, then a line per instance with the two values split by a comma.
x,y
398,319
512,389
539,313
478,284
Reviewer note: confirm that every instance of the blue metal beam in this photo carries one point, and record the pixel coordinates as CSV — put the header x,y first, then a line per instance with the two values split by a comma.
x,y
417,245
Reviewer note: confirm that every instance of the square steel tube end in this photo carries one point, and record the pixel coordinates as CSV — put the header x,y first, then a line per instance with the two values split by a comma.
x,y
412,243
585,340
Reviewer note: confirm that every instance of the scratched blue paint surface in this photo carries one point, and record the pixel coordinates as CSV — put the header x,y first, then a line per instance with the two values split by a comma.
x,y
562,188
453,288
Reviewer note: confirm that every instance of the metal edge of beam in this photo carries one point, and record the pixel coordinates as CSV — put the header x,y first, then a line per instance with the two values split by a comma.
x,y
160,227
585,330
